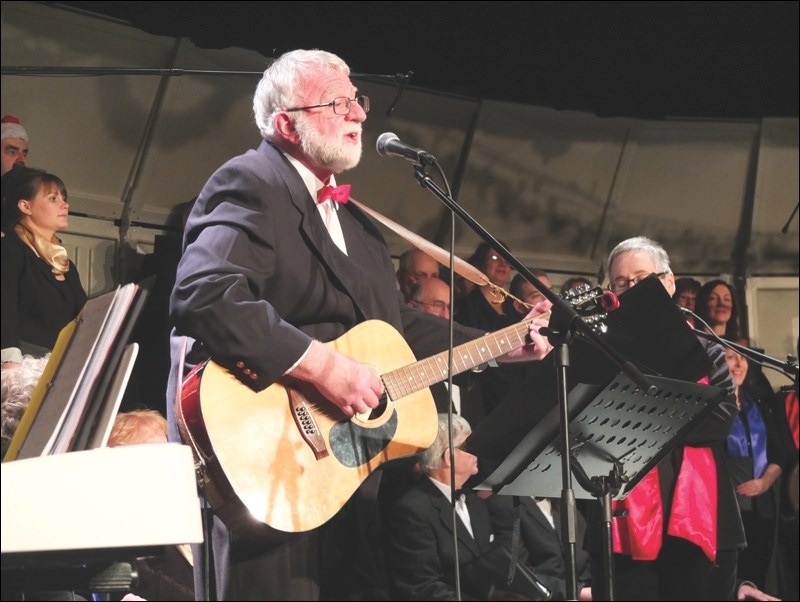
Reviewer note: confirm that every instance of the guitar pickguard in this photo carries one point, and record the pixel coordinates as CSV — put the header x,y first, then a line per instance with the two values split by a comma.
x,y
354,445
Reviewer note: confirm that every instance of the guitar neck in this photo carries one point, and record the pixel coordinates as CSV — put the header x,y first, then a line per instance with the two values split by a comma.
x,y
424,373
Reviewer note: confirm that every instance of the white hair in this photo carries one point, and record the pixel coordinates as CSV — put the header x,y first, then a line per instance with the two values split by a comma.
x,y
280,85
17,386
641,243
433,457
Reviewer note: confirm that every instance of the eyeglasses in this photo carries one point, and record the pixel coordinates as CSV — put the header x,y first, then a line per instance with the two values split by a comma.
x,y
620,285
440,305
498,259
341,104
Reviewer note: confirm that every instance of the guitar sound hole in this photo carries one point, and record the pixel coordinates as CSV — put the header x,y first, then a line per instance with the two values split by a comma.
x,y
377,412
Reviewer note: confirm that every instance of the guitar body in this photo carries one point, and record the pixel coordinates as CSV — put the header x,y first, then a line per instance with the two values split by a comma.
x,y
285,460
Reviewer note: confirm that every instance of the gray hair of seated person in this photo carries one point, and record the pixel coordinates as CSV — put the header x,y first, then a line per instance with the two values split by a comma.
x,y
16,388
641,243
433,457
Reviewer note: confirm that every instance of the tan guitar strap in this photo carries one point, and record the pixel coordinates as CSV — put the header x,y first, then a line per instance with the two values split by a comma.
x,y
461,267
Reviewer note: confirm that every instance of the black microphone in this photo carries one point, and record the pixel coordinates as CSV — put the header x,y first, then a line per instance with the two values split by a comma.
x,y
389,145
609,301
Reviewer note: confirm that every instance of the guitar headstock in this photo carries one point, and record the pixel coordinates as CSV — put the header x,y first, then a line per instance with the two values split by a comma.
x,y
592,304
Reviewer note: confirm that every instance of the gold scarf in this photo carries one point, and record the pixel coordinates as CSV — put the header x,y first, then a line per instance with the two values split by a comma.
x,y
51,251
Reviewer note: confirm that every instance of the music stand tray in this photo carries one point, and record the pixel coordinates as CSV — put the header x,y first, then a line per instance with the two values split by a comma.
x,y
619,425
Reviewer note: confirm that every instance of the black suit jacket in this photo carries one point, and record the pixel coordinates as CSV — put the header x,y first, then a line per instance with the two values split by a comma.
x,y
35,306
260,275
544,543
420,550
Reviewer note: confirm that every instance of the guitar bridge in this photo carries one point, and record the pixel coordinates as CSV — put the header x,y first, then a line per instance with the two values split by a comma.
x,y
306,424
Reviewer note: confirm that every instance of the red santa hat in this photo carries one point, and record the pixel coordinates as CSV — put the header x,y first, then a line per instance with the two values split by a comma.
x,y
12,128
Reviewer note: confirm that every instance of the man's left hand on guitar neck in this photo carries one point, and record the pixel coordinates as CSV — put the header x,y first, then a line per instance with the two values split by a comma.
x,y
539,345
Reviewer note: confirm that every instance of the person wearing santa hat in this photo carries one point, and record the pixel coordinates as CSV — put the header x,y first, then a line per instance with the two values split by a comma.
x,y
15,143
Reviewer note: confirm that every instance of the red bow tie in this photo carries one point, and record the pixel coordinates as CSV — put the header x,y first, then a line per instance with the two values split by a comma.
x,y
340,194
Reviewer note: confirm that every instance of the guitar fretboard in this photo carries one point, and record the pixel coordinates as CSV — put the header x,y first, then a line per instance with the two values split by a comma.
x,y
413,377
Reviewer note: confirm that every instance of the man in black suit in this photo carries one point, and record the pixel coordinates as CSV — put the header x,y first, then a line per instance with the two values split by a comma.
x,y
421,551
275,263
540,529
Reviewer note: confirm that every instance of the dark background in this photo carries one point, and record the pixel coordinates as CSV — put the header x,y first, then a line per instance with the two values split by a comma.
x,y
635,59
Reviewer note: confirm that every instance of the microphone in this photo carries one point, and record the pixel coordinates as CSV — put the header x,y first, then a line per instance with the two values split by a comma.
x,y
389,145
609,301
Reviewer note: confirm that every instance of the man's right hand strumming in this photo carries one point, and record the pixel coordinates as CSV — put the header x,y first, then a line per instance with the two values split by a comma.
x,y
352,386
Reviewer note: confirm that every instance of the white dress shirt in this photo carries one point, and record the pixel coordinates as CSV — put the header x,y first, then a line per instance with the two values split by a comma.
x,y
328,209
461,504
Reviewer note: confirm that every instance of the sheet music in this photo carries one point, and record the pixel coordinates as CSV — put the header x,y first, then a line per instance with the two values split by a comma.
x,y
67,425
59,380
110,408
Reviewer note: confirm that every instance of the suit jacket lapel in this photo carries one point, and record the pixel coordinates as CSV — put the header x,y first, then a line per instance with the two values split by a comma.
x,y
481,523
446,516
347,269
364,264
536,512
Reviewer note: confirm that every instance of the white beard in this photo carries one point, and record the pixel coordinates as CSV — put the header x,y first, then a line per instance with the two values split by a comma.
x,y
338,156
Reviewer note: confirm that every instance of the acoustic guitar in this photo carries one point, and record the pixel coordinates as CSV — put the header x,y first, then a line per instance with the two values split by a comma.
x,y
285,460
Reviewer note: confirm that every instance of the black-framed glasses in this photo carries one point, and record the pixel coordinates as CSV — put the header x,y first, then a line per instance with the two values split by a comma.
x,y
341,104
620,285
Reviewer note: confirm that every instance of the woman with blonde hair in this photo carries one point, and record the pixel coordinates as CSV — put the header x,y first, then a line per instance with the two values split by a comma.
x,y
42,291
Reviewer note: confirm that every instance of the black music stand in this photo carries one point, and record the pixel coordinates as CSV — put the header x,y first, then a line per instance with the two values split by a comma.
x,y
617,435
647,330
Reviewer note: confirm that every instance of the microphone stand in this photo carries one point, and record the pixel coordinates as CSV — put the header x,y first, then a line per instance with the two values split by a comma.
x,y
565,322
786,367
